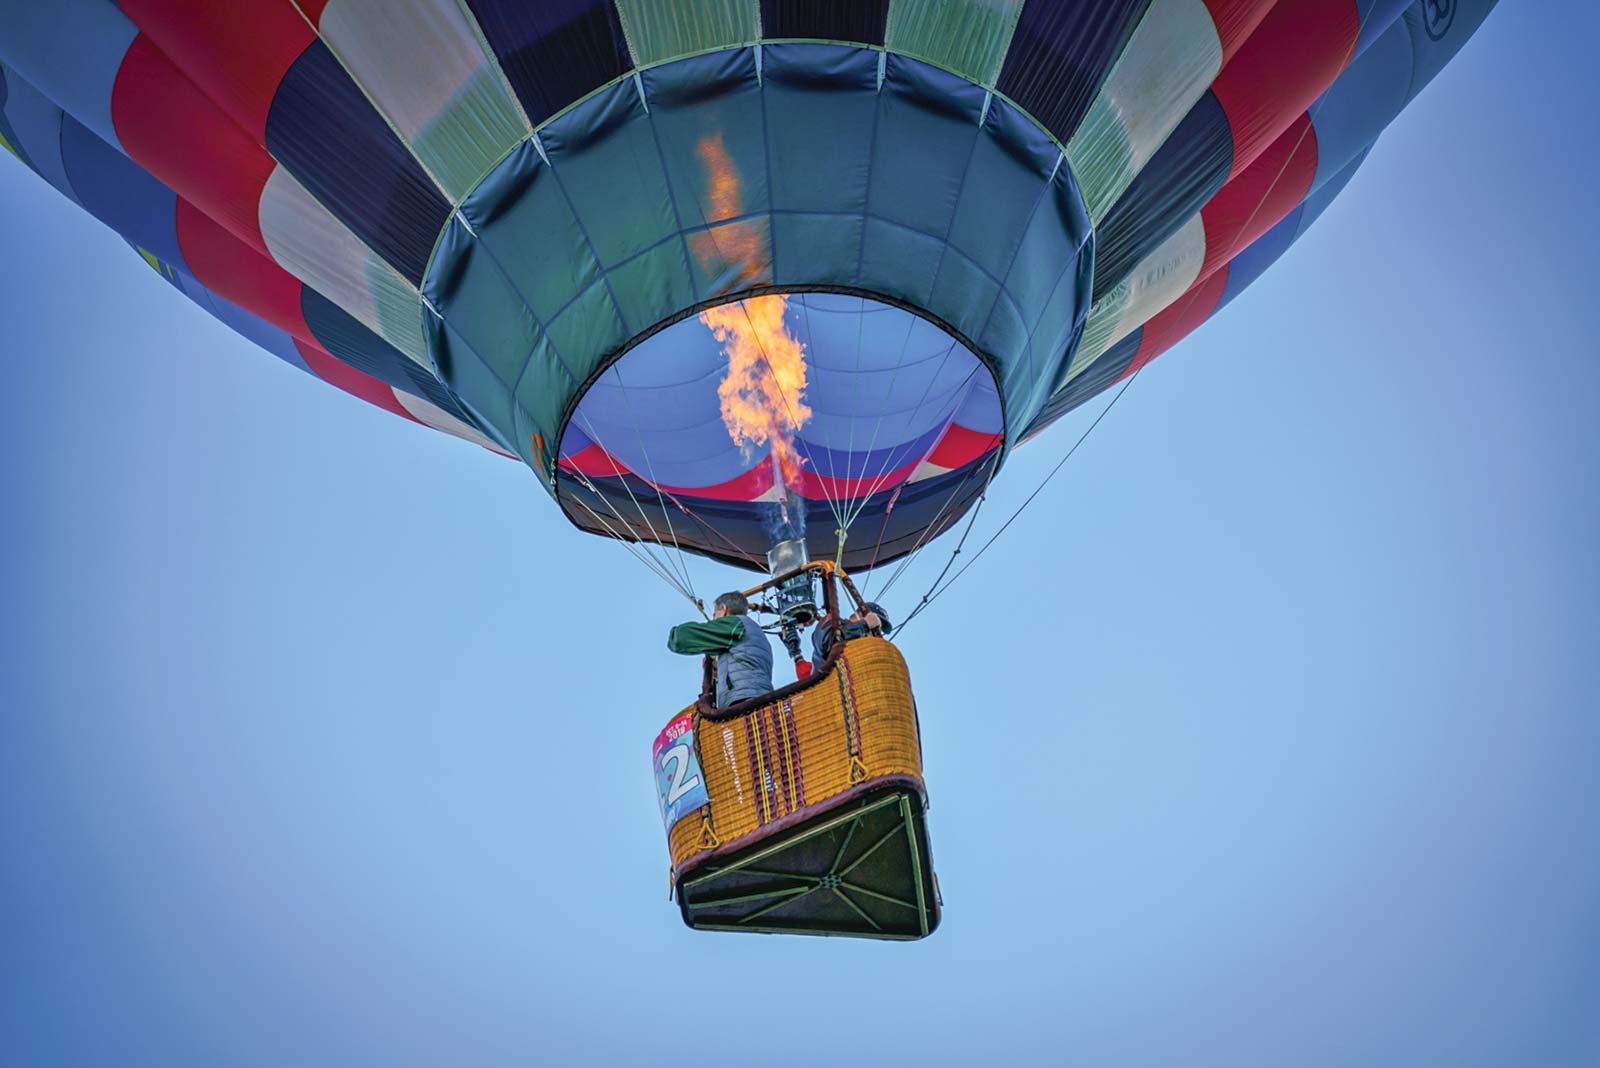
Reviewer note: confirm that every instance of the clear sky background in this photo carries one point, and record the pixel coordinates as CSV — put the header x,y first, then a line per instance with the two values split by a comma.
x,y
1267,736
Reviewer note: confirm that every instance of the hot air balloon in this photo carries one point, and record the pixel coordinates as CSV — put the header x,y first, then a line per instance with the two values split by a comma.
x,y
727,275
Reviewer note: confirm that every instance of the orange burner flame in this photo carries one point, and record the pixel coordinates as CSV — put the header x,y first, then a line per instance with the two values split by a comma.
x,y
763,395
733,244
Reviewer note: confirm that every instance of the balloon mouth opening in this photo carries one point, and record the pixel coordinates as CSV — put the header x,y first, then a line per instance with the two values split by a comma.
x,y
810,416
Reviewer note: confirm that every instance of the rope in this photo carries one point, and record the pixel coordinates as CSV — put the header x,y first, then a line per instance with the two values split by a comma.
x,y
971,520
925,538
811,341
636,546
900,362
655,483
883,529
708,836
888,460
934,591
692,514
855,395
644,519
647,561
858,771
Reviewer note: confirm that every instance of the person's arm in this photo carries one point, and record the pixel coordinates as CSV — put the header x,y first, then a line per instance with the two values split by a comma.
x,y
821,638
715,636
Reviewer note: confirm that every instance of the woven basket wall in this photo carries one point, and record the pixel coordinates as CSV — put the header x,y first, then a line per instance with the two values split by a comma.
x,y
784,759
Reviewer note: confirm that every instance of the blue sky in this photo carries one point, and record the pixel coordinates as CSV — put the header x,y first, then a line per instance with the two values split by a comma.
x,y
1265,736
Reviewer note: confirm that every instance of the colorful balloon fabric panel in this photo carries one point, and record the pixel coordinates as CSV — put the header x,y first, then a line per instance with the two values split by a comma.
x,y
718,270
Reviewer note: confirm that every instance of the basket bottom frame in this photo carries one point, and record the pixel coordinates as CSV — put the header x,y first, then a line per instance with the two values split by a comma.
x,y
858,870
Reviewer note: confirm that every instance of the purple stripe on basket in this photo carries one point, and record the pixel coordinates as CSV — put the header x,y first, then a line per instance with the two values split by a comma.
x,y
755,772
775,761
766,764
794,747
781,743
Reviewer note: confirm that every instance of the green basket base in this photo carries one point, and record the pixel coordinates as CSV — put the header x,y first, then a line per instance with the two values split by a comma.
x,y
859,870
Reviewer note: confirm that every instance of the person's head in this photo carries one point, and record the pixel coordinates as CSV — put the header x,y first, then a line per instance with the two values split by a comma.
x,y
730,604
874,610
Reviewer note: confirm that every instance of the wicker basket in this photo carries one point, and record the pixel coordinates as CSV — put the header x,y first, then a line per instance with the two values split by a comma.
x,y
812,820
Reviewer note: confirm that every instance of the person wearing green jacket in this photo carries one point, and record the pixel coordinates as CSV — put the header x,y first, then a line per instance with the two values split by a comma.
x,y
744,655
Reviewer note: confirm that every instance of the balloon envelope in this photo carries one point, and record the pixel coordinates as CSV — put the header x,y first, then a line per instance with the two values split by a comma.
x,y
718,270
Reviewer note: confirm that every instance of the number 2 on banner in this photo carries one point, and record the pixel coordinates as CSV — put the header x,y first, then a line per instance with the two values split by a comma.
x,y
681,757
680,784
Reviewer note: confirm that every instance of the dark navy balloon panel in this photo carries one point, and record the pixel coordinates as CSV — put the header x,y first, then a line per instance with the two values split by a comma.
x,y
553,51
327,133
863,21
1060,54
718,267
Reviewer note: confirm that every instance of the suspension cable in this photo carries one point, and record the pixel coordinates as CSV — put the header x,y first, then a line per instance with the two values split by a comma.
x,y
972,519
644,518
1194,292
885,469
635,545
925,538
934,590
855,395
681,567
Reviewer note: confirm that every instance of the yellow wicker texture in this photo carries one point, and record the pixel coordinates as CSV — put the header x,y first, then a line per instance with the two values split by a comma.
x,y
856,725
